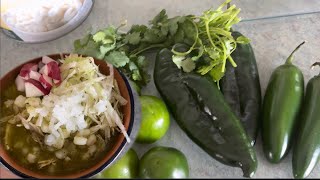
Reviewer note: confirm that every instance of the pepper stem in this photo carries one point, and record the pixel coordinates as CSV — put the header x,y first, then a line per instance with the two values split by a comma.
x,y
290,58
315,64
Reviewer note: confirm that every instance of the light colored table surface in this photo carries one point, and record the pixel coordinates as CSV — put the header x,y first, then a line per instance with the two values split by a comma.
x,y
273,39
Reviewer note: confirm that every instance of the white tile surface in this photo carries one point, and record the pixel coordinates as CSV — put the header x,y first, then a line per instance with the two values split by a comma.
x,y
272,40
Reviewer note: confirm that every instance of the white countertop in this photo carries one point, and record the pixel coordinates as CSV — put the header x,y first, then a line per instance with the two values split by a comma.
x,y
273,39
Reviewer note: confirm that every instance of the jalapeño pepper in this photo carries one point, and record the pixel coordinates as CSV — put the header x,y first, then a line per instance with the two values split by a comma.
x,y
281,106
306,151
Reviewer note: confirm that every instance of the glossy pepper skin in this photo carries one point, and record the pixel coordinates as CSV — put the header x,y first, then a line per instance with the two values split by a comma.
x,y
281,106
241,87
306,150
200,110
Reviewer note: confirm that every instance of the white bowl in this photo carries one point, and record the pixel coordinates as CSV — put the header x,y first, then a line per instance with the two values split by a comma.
x,y
38,37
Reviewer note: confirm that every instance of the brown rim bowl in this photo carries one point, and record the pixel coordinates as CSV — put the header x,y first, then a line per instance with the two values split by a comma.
x,y
108,158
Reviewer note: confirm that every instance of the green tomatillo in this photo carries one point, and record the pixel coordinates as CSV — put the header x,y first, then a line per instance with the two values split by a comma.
x,y
126,167
155,119
164,162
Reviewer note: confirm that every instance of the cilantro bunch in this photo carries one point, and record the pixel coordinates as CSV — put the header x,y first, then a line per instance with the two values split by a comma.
x,y
110,45
208,37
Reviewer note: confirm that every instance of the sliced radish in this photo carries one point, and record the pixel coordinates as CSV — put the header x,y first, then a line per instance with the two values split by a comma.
x,y
47,60
46,81
34,88
34,75
25,70
20,83
44,70
56,82
38,83
54,70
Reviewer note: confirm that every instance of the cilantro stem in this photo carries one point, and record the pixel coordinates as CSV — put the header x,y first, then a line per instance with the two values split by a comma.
x,y
232,17
147,48
118,47
123,24
221,32
232,61
223,4
224,53
208,34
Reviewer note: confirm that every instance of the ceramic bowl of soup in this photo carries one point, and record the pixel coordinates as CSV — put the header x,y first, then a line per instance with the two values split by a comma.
x,y
75,128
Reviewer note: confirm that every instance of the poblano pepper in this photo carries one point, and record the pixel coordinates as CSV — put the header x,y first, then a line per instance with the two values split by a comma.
x,y
201,111
241,87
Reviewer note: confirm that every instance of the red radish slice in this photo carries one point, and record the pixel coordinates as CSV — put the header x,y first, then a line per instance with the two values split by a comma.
x,y
20,83
56,82
54,70
38,83
44,70
47,60
25,70
34,75
34,88
46,81
26,77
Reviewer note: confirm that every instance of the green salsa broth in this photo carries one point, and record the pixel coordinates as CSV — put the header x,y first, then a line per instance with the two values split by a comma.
x,y
22,140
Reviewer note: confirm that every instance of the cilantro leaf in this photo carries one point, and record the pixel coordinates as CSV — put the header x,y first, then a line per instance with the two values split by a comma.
x,y
188,65
107,36
104,49
153,36
161,17
185,63
90,49
99,36
133,38
190,31
138,28
135,71
179,35
174,24
141,62
215,73
165,29
117,58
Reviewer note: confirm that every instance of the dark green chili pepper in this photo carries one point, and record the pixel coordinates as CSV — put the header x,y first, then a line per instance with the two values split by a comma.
x,y
306,151
281,106
241,87
201,111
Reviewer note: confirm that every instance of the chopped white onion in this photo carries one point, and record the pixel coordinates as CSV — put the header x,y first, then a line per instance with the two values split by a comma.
x,y
20,101
31,158
80,140
91,140
61,154
92,149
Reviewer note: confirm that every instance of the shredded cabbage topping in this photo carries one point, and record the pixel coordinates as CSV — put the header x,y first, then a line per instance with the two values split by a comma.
x,y
86,102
